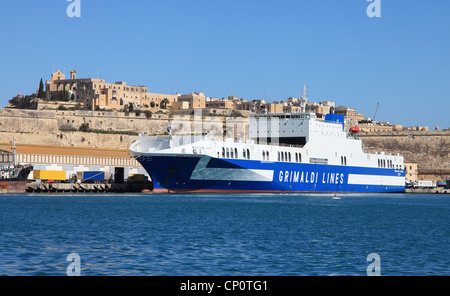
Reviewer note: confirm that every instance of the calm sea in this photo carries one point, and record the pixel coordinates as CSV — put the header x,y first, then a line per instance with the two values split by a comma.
x,y
224,234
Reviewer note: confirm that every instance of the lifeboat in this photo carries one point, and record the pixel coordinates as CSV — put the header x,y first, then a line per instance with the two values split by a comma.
x,y
354,130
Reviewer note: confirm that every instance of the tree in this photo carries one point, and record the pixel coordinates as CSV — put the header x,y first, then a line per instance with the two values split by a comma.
x,y
84,127
164,103
41,92
27,102
148,114
60,96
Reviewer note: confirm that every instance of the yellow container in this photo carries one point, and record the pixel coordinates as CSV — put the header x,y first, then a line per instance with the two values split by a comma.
x,y
49,175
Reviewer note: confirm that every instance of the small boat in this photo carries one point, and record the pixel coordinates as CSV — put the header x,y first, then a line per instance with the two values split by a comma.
x,y
335,197
13,179
13,176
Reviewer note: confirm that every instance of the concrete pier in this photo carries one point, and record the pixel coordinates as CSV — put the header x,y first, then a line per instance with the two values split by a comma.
x,y
41,187
428,190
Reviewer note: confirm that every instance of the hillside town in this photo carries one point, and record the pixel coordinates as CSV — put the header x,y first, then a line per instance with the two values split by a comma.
x,y
98,95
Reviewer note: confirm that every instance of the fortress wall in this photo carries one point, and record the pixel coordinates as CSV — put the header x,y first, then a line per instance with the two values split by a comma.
x,y
429,149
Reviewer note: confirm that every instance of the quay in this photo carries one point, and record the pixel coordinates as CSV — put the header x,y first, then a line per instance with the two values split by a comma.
x,y
112,168
428,190
46,187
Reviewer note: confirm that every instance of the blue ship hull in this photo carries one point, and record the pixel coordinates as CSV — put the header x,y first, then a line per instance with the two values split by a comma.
x,y
199,173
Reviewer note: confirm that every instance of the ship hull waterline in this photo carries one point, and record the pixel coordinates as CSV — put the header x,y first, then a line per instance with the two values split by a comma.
x,y
10,186
205,174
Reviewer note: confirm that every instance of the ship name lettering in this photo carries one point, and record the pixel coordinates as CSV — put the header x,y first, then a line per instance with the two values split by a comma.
x,y
310,177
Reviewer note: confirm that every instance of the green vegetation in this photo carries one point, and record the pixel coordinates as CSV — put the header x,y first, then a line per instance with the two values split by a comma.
x,y
41,92
148,114
164,103
27,102
84,127
60,96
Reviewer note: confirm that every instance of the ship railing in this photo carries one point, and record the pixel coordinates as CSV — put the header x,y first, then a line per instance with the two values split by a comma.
x,y
283,145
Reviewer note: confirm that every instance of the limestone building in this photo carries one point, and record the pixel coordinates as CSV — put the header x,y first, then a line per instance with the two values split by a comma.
x,y
98,94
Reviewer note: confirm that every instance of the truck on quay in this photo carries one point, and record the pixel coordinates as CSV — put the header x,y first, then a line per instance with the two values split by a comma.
x,y
49,175
93,176
425,184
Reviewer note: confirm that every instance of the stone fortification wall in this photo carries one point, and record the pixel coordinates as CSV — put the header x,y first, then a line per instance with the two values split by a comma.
x,y
27,121
429,149
112,121
61,127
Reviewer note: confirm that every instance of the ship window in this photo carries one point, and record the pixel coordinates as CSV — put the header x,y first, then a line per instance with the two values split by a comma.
x,y
228,153
289,156
223,152
285,156
231,153
264,155
345,160
282,156
279,157
243,153
248,154
299,157
267,155
235,153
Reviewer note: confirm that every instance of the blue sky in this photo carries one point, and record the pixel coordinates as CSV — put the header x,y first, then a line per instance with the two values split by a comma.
x,y
257,49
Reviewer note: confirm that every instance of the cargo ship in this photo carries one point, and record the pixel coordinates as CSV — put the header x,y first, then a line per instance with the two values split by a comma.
x,y
282,153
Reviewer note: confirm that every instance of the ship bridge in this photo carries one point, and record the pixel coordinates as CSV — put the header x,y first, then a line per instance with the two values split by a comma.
x,y
293,129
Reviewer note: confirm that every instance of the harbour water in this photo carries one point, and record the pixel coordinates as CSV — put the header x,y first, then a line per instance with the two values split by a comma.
x,y
224,234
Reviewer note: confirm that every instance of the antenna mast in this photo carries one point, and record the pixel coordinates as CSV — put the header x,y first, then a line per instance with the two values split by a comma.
x,y
14,151
304,98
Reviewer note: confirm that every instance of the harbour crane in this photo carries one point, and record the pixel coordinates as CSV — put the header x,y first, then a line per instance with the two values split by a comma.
x,y
376,109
